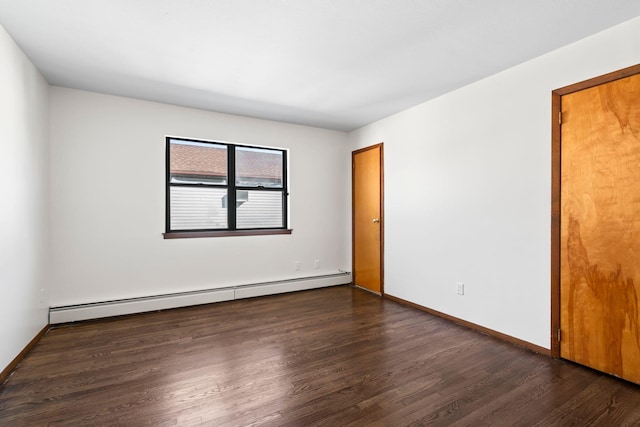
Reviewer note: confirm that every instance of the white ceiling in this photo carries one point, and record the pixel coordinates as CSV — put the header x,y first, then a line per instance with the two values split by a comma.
x,y
337,64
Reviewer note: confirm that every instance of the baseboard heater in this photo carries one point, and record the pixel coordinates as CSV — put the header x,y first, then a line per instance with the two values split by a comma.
x,y
96,310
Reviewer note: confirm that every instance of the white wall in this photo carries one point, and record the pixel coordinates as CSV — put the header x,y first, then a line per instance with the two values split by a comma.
x,y
108,201
468,188
24,194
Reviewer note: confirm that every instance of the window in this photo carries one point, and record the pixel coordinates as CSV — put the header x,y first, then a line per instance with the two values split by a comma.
x,y
218,189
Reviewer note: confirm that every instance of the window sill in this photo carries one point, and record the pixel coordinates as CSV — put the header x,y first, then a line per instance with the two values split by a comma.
x,y
223,233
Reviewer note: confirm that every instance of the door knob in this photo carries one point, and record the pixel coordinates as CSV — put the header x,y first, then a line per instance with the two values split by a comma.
x,y
375,220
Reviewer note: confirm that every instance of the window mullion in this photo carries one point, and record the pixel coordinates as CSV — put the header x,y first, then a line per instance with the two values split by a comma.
x,y
231,179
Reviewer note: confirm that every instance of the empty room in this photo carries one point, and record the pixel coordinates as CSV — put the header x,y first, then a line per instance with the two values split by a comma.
x,y
320,212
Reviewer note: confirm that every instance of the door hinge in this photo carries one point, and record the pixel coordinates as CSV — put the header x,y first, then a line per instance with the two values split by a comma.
x,y
559,117
559,335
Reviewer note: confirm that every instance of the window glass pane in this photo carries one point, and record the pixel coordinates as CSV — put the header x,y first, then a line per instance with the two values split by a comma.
x,y
197,163
258,209
256,167
195,208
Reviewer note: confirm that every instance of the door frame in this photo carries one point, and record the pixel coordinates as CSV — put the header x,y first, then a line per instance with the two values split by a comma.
x,y
353,213
556,152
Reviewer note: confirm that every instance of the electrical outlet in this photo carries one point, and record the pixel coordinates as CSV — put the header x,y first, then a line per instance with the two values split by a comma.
x,y
317,264
297,265
460,288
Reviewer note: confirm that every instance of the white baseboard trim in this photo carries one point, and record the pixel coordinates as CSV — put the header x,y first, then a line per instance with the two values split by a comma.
x,y
97,310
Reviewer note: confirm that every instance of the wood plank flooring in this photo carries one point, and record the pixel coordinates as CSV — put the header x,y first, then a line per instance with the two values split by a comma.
x,y
334,356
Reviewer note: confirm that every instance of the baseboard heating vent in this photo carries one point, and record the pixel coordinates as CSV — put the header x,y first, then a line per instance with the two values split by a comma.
x,y
74,313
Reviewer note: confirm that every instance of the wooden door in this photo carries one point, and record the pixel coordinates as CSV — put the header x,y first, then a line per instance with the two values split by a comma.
x,y
600,227
367,218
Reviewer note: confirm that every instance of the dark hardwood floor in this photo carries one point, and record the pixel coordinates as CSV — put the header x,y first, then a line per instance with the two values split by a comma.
x,y
335,356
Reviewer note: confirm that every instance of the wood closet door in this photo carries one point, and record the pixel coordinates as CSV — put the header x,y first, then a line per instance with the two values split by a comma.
x,y
367,218
600,227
